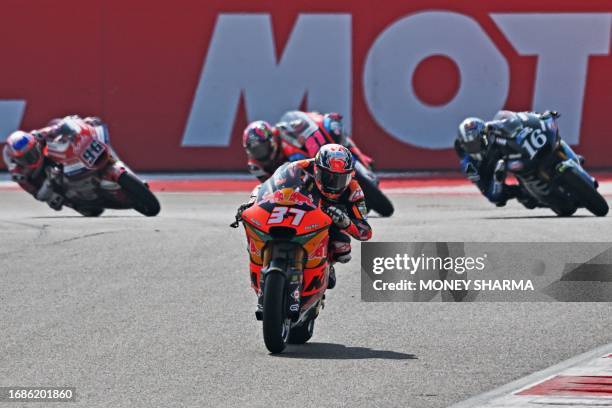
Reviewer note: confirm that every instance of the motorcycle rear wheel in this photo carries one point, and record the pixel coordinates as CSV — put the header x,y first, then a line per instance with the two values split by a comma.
x,y
585,192
374,198
564,211
142,198
275,323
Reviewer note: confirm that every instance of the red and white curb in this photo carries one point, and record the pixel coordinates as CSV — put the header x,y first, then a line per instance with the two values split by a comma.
x,y
582,381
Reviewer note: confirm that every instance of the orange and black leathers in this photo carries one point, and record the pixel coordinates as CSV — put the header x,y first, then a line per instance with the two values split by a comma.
x,y
351,200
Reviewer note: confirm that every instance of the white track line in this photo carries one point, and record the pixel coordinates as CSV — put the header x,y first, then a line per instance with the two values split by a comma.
x,y
591,363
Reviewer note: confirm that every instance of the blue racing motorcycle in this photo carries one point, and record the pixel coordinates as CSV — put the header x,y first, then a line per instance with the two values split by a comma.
x,y
546,167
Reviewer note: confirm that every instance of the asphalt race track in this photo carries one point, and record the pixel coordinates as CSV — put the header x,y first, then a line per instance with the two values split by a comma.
x,y
138,312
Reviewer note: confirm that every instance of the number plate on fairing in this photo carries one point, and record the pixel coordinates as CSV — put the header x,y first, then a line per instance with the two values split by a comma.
x,y
93,152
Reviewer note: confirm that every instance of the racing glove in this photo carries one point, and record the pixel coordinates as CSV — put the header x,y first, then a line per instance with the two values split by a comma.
x,y
339,218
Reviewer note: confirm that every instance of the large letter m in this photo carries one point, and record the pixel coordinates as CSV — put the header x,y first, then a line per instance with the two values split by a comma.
x,y
241,60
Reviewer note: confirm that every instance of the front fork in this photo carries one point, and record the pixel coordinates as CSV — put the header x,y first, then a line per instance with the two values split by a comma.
x,y
286,258
573,160
114,169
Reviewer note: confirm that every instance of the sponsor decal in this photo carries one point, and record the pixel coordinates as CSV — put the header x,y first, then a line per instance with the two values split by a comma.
x,y
288,196
403,77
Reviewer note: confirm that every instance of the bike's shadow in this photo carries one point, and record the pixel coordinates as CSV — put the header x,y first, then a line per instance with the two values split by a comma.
x,y
534,217
332,351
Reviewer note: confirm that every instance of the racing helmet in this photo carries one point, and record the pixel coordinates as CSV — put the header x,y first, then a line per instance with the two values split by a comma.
x,y
472,137
333,170
332,123
24,150
259,141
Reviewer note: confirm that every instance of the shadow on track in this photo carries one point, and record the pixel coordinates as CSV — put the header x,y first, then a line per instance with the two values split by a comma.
x,y
331,351
533,217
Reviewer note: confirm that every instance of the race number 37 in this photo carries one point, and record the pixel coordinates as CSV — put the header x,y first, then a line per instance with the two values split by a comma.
x,y
279,213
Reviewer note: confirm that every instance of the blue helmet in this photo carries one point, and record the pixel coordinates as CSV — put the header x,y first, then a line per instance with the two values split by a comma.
x,y
472,137
332,123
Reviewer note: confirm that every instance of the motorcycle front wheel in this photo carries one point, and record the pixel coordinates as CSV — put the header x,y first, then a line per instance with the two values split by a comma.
x,y
275,324
142,198
584,192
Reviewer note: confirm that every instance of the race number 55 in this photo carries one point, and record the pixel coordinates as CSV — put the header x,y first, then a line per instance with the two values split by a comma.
x,y
279,213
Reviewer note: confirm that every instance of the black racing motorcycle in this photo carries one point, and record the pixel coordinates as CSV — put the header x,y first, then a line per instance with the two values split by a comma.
x,y
546,167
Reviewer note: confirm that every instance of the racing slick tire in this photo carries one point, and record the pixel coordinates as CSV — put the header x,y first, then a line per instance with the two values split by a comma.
x,y
585,192
275,323
564,211
89,211
374,198
142,198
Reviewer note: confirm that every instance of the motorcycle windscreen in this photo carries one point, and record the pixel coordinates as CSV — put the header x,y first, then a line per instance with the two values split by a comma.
x,y
287,187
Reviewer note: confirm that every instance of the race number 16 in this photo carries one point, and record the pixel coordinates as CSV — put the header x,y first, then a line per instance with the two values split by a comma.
x,y
534,143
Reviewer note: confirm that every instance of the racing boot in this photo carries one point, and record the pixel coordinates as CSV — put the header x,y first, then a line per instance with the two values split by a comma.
x,y
331,281
500,192
522,196
341,249
259,310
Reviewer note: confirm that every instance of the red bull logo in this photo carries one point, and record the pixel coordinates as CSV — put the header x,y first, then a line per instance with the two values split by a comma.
x,y
288,196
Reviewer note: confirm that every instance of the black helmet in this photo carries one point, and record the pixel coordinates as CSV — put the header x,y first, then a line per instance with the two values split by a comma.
x,y
472,137
334,166
259,141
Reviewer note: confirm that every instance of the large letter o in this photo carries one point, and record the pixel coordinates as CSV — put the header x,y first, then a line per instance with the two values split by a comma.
x,y
394,57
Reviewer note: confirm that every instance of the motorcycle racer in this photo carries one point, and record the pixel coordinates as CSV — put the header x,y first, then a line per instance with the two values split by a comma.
x,y
266,151
25,156
311,130
297,136
479,145
331,174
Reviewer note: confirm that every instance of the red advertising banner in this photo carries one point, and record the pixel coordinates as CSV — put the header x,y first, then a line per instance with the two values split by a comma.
x,y
178,81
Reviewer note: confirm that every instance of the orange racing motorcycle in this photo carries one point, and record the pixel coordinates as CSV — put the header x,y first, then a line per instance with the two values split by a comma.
x,y
288,234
